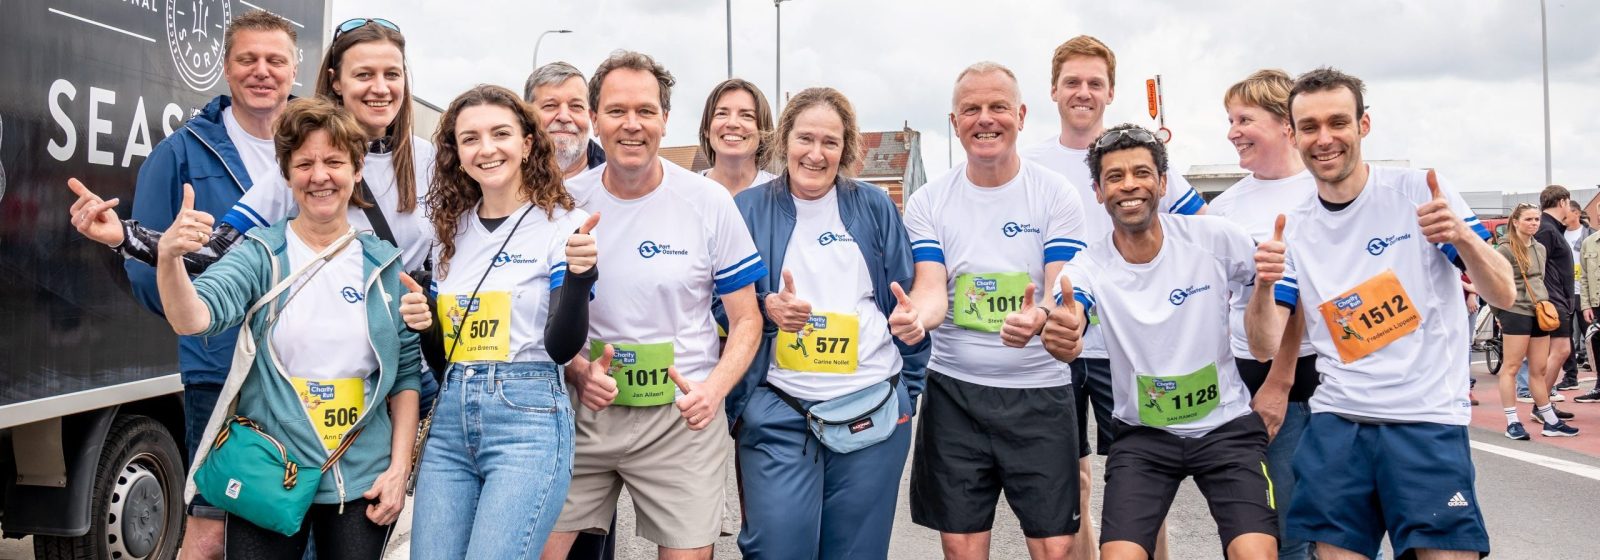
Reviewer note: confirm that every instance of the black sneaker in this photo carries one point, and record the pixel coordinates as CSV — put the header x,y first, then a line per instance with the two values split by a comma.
x,y
1567,384
1589,397
1562,414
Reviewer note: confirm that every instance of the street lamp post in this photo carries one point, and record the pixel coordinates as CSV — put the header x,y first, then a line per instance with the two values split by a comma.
x,y
728,9
777,40
1544,60
541,40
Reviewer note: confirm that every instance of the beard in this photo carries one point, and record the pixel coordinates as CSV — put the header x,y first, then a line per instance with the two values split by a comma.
x,y
570,148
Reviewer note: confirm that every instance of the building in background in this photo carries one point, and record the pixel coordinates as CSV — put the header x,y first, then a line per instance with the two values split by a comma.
x,y
890,160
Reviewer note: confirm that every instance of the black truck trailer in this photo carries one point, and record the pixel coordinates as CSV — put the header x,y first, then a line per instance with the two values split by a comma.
x,y
91,416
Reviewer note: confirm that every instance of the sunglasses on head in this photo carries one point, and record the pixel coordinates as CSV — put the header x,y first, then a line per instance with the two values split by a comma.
x,y
356,23
1112,136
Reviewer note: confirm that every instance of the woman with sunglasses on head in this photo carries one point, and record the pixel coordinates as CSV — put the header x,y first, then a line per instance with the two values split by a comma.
x,y
1519,327
511,280
364,72
735,133
335,341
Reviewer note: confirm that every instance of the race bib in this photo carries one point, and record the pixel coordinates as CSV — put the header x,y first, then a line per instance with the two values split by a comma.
x,y
1369,317
826,344
640,371
1168,400
334,405
982,301
482,325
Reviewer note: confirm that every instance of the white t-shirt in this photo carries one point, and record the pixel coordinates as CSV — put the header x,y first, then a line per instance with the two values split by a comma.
x,y
1181,198
982,232
831,274
516,289
1421,376
322,332
762,177
413,232
259,157
1255,204
663,257
1163,323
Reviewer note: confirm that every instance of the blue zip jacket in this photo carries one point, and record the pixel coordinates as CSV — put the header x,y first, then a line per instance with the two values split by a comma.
x,y
874,222
246,273
201,155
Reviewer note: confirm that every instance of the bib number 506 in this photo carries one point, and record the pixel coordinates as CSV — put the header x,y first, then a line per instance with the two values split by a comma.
x,y
339,416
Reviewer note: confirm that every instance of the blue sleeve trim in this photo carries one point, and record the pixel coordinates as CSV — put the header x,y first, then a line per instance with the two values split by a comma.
x,y
252,214
1190,203
1059,254
735,266
927,254
745,277
1286,294
557,278
1084,299
1449,250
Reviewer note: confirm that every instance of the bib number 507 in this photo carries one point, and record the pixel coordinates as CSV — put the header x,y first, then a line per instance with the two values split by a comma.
x,y
484,328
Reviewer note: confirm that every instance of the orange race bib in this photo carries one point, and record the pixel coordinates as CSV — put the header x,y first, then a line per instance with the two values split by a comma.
x,y
1370,317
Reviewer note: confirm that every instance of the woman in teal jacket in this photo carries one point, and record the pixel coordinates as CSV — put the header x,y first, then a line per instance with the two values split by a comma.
x,y
331,349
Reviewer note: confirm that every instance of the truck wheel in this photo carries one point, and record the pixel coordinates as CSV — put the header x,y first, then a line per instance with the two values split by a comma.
x,y
138,499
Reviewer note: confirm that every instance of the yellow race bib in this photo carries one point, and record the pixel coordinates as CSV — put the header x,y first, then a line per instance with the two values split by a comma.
x,y
334,405
826,344
482,325
1370,316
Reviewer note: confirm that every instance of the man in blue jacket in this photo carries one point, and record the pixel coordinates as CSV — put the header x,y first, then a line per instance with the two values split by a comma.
x,y
222,151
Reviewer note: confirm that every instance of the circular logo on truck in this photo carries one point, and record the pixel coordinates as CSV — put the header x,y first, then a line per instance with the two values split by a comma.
x,y
194,37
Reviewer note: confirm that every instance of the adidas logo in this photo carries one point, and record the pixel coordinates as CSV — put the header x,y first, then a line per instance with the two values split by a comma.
x,y
1457,501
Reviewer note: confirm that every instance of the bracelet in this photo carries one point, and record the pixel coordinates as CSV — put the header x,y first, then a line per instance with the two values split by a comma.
x,y
1042,323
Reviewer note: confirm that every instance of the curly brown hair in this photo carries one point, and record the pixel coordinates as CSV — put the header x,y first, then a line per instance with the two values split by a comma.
x,y
453,193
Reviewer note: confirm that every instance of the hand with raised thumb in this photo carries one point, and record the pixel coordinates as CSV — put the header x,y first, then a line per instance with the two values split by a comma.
x,y
190,230
1022,324
697,405
1063,330
414,305
582,253
1438,221
93,217
786,309
904,321
599,389
1271,256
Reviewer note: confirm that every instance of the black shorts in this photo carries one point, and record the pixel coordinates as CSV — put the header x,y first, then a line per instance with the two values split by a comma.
x,y
1228,465
1306,379
973,441
1516,324
1565,329
1091,387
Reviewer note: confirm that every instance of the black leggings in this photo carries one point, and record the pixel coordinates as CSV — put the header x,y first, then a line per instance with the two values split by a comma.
x,y
346,536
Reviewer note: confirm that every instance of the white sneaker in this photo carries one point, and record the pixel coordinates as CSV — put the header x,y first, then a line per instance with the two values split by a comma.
x,y
1558,397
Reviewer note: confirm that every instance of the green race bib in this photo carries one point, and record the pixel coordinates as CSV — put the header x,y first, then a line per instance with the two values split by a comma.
x,y
1168,400
982,301
640,371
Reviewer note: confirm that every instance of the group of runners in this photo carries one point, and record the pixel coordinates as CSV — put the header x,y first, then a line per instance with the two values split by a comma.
x,y
593,317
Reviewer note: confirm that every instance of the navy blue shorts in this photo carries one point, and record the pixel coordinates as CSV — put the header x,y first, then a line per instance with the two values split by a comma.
x,y
1354,482
198,401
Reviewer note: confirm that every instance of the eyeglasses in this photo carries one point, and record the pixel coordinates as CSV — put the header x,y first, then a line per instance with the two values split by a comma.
x,y
356,23
1138,134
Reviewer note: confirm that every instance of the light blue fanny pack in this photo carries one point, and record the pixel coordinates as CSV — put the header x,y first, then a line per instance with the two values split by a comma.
x,y
854,421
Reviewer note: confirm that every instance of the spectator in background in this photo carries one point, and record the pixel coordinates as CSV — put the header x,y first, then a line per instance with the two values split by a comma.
x,y
1589,299
1575,234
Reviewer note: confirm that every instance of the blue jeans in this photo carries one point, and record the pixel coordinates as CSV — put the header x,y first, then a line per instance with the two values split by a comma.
x,y
802,500
1522,381
1280,458
496,465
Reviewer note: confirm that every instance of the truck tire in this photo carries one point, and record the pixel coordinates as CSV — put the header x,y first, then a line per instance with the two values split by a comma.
x,y
138,499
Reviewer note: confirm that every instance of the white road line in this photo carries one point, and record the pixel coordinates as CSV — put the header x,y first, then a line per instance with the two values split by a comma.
x,y
1563,465
296,23
93,22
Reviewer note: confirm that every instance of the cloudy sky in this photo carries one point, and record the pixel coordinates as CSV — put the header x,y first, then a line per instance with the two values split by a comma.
x,y
1452,84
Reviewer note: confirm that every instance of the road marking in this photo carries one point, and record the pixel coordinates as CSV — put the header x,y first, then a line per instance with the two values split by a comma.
x,y
93,22
1563,465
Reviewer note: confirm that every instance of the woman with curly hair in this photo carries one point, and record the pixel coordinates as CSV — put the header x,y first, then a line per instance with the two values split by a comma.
x,y
511,282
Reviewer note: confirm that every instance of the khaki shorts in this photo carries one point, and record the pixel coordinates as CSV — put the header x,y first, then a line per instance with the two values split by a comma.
x,y
677,477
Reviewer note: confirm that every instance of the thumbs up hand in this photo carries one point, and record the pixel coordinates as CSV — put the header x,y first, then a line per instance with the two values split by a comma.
x,y
190,230
581,250
698,406
94,217
414,305
904,321
1270,257
786,309
598,388
1063,330
1020,326
1438,222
